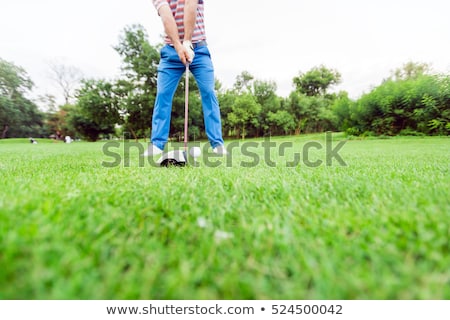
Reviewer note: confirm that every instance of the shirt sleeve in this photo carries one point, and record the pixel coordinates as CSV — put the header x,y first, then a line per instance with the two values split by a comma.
x,y
159,3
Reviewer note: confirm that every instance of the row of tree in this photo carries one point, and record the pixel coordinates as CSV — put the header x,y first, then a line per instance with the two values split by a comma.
x,y
411,101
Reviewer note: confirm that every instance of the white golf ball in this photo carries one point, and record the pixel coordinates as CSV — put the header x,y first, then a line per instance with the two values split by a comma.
x,y
195,152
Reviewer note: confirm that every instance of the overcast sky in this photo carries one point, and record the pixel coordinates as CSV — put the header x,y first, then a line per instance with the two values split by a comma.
x,y
273,40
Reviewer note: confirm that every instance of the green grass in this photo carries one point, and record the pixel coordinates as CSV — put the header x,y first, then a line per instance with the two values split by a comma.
x,y
377,228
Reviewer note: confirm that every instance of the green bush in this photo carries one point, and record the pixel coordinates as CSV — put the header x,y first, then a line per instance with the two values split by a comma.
x,y
352,131
410,132
412,106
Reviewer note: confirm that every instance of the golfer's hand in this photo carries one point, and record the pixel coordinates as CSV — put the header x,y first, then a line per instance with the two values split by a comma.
x,y
183,53
190,50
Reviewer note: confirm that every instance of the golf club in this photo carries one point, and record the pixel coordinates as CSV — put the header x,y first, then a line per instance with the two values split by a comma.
x,y
186,109
176,157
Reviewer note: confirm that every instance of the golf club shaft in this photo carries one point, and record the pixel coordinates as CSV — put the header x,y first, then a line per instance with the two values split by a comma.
x,y
186,107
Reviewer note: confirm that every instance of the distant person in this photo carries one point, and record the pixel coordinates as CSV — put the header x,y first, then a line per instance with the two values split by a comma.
x,y
58,135
185,44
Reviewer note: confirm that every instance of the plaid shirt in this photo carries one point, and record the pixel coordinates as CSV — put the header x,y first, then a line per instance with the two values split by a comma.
x,y
177,8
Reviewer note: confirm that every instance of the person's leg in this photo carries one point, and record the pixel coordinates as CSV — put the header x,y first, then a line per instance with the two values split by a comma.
x,y
203,71
170,70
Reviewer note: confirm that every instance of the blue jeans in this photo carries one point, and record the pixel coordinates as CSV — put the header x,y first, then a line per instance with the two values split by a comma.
x,y
170,71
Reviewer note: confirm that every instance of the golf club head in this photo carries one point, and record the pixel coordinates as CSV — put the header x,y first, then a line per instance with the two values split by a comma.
x,y
176,158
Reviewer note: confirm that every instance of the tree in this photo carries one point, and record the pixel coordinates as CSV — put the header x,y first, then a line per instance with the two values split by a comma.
x,y
137,87
342,111
8,114
316,81
85,126
244,112
243,82
411,70
140,58
226,101
98,109
66,78
265,94
14,80
47,102
296,105
58,121
311,103
281,120
19,116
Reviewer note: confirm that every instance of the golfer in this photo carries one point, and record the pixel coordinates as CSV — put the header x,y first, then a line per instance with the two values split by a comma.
x,y
185,44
